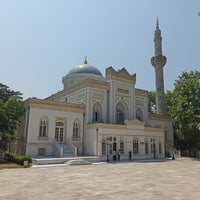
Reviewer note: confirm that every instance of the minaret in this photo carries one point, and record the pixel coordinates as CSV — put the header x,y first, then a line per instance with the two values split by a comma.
x,y
158,61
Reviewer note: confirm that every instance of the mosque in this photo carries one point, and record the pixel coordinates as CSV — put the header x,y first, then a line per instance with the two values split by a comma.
x,y
99,116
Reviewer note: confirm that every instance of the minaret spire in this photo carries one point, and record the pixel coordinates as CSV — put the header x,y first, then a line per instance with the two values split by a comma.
x,y
157,24
158,62
85,62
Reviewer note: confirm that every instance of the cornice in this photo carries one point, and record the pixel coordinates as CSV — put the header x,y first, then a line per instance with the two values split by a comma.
x,y
157,117
106,126
91,83
53,105
140,92
152,129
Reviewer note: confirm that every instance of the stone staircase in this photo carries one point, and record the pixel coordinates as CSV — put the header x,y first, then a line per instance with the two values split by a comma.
x,y
170,149
67,151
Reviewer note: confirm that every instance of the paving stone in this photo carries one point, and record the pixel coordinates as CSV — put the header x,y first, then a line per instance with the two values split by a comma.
x,y
170,180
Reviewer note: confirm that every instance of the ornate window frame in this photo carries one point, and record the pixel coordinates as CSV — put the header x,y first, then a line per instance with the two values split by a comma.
x,y
76,128
43,127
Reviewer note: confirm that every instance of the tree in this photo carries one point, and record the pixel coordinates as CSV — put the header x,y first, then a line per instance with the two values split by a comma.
x,y
183,106
185,110
152,102
14,109
6,93
11,109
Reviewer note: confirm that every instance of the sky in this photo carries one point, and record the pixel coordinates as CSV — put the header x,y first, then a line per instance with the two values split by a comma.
x,y
41,40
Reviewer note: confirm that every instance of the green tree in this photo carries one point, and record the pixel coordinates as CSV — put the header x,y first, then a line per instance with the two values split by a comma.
x,y
152,102
14,109
11,109
183,106
6,93
185,110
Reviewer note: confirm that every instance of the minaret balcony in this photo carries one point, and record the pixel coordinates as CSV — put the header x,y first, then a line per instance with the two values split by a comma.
x,y
158,61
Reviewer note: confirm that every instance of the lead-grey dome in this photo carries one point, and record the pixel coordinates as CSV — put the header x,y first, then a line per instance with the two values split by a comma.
x,y
85,68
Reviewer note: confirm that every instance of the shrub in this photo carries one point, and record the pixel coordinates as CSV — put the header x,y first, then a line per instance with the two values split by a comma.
x,y
18,159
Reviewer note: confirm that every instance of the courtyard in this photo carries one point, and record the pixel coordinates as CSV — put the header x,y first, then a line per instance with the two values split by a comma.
x,y
179,179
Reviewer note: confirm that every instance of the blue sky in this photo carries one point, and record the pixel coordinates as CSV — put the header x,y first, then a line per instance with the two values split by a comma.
x,y
41,40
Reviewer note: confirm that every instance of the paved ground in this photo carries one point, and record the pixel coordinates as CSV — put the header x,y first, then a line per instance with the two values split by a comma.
x,y
179,179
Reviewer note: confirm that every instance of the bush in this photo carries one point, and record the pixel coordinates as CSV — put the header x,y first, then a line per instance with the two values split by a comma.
x,y
18,159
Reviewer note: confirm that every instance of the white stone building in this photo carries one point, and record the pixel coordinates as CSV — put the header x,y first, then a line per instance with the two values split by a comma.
x,y
95,115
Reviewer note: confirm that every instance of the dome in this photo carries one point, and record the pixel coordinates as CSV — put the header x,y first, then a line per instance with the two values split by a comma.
x,y
85,68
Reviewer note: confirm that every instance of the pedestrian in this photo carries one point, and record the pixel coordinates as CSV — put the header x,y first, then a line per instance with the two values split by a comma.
x,y
173,156
130,155
114,155
119,155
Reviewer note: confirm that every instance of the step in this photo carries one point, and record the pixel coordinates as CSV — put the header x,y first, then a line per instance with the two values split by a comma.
x,y
54,160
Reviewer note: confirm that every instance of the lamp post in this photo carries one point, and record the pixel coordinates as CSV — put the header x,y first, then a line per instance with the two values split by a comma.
x,y
97,145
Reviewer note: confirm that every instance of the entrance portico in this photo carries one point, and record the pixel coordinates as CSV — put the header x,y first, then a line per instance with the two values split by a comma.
x,y
143,142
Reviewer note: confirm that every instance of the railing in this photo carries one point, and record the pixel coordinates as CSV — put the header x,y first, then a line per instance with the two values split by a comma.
x,y
172,150
72,147
57,148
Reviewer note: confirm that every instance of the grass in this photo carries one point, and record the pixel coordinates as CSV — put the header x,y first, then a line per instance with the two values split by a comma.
x,y
5,164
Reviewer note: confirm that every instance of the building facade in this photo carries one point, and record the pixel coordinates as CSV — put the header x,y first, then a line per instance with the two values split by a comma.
x,y
95,115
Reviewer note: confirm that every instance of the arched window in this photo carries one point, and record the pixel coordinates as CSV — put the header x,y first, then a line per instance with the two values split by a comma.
x,y
139,114
43,127
76,129
97,113
59,131
135,146
120,114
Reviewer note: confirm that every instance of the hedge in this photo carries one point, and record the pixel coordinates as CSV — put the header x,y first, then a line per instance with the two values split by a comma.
x,y
19,159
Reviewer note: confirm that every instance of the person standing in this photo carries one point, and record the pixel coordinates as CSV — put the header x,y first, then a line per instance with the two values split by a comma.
x,y
119,155
130,155
114,155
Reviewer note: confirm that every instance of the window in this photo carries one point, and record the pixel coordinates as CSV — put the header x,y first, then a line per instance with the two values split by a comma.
x,y
97,113
42,151
165,134
59,131
121,111
139,114
121,145
43,127
153,146
103,148
76,129
146,147
160,148
120,116
135,146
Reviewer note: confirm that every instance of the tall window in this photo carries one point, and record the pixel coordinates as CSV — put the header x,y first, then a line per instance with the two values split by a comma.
x,y
139,114
97,113
43,127
120,114
146,146
59,131
103,147
135,146
160,148
153,144
76,129
121,145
